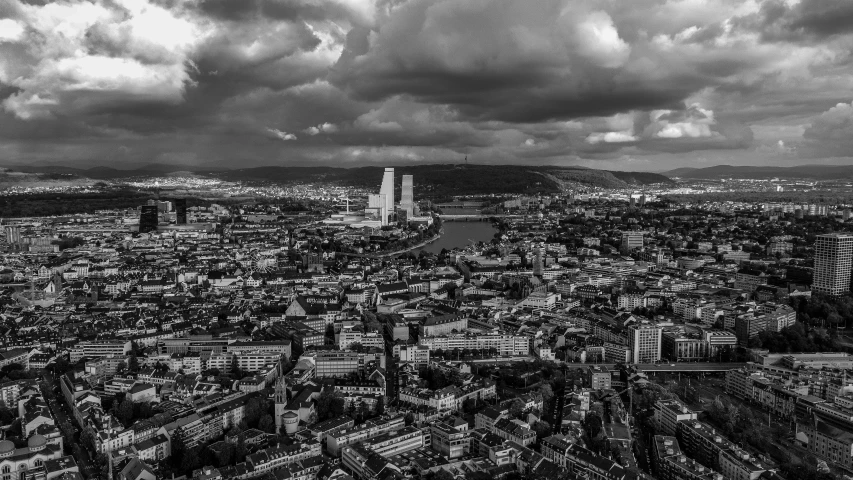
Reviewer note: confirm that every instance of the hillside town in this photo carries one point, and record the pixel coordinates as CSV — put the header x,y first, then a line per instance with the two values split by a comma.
x,y
604,335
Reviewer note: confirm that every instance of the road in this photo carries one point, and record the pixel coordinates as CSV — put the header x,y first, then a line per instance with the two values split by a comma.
x,y
61,414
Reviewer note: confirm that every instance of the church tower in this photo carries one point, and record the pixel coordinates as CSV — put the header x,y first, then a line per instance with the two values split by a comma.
x,y
280,401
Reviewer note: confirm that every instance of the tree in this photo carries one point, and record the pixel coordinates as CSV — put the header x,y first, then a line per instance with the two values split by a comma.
x,y
124,413
516,408
121,367
380,406
443,475
330,404
189,461
6,415
547,393
240,451
133,363
61,366
542,429
267,424
141,410
87,439
469,405
593,425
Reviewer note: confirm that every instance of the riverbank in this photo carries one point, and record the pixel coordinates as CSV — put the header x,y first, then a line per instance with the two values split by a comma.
x,y
399,252
413,247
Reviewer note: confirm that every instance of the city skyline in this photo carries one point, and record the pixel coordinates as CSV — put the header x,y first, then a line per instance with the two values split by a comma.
x,y
643,86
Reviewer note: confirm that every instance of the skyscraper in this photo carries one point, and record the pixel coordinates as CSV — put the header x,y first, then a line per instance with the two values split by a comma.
x,y
645,342
833,263
387,189
148,218
181,211
407,197
13,234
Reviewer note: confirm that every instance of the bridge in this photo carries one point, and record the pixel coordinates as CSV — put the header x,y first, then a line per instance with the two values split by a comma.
x,y
461,205
475,217
93,229
652,368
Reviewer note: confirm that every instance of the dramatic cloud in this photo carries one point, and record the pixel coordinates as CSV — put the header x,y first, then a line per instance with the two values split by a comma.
x,y
281,135
648,84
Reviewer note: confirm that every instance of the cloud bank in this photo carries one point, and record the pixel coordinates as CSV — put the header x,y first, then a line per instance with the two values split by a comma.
x,y
650,84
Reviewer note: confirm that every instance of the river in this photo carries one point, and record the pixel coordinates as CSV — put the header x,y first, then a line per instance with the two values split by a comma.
x,y
460,234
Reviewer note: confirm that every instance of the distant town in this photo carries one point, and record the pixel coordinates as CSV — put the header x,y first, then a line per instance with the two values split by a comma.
x,y
328,325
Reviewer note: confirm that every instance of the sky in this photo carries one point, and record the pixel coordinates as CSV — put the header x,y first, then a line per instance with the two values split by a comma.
x,y
646,85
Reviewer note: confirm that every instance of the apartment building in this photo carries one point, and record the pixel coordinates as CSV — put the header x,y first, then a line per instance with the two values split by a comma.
x,y
516,345
668,414
335,442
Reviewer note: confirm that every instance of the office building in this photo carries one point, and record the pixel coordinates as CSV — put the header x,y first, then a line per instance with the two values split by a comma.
x,y
13,234
148,218
377,208
598,377
407,197
181,211
387,189
631,241
338,363
832,263
644,341
100,348
451,438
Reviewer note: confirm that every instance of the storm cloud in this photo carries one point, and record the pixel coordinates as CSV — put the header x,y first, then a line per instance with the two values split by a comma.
x,y
651,84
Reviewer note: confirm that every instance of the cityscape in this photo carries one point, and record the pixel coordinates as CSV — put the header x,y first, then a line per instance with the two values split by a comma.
x,y
426,240
329,331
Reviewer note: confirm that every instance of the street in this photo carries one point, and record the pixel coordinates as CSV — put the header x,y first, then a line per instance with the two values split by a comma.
x,y
61,414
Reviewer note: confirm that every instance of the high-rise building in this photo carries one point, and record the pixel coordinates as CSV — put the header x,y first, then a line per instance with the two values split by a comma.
x,y
387,189
377,208
13,234
148,218
181,211
407,197
642,200
632,202
833,263
644,341
631,241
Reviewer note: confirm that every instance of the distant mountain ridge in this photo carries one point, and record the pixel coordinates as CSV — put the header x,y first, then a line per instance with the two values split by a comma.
x,y
474,179
814,172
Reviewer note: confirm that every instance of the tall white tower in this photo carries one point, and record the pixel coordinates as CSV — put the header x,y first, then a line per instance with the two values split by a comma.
x,y
387,189
407,197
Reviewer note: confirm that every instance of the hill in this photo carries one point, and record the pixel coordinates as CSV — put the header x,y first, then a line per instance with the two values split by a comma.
x,y
434,181
812,172
9,179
